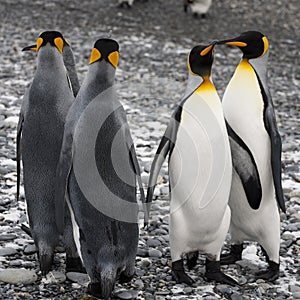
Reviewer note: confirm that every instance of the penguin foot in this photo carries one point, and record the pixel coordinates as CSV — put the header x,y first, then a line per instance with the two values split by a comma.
x,y
45,263
192,259
124,278
234,255
74,264
94,290
178,273
87,297
271,274
214,273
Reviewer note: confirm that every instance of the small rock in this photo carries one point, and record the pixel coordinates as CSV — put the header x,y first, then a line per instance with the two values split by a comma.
x,y
127,295
54,277
8,251
153,242
18,276
80,278
7,237
30,249
155,253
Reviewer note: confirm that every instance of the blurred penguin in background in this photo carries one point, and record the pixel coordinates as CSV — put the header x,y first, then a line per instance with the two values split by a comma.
x,y
197,7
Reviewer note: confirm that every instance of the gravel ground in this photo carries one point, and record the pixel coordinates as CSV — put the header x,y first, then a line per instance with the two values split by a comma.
x,y
154,38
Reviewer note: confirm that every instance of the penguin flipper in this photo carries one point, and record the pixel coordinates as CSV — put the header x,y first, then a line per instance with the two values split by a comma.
x,y
18,150
70,65
271,127
62,175
245,166
160,156
137,170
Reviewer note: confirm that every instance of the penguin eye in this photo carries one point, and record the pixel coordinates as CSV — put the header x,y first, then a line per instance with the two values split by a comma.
x,y
39,43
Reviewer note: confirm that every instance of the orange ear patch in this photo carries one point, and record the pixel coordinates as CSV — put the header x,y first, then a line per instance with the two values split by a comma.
x,y
39,43
59,43
95,55
114,58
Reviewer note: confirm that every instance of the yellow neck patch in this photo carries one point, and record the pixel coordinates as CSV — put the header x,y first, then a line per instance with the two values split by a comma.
x,y
59,43
205,85
114,58
95,55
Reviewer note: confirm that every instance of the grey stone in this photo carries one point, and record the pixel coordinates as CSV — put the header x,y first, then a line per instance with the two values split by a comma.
x,y
18,276
80,278
155,253
30,249
8,251
7,237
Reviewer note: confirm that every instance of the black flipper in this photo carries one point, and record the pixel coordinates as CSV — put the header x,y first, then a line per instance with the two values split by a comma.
x,y
136,167
271,127
245,166
160,156
18,156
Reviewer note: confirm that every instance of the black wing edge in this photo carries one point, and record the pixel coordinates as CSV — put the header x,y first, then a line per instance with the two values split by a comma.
x,y
276,145
137,170
250,178
18,152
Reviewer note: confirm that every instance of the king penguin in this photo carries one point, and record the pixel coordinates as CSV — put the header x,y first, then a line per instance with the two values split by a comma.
x,y
256,193
39,137
199,172
98,170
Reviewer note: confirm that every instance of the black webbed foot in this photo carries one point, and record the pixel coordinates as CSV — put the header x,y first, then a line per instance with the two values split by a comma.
x,y
234,255
178,273
270,274
213,272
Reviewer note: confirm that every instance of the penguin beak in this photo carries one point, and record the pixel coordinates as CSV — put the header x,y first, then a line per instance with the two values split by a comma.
x,y
208,49
30,48
232,42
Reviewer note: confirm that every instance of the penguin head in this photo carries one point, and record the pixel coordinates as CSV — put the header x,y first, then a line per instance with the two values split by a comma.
x,y
105,50
54,38
253,44
200,60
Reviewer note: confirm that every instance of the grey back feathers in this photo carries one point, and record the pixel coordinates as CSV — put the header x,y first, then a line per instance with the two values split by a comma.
x,y
40,130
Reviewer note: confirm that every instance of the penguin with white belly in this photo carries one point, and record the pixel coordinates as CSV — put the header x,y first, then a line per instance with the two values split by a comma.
x,y
97,172
200,171
256,193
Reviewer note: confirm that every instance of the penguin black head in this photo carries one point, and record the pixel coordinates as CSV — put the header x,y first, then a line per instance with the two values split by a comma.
x,y
55,39
201,59
105,49
253,44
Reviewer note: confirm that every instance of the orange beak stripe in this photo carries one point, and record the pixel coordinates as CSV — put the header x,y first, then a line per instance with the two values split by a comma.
x,y
206,50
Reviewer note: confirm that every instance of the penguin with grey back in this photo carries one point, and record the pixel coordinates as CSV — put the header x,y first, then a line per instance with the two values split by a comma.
x,y
199,172
97,171
256,193
39,136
